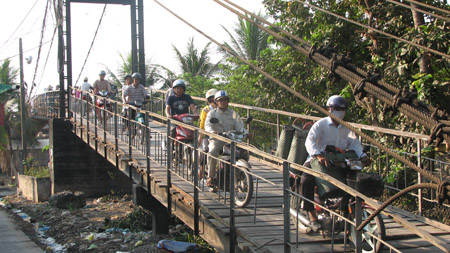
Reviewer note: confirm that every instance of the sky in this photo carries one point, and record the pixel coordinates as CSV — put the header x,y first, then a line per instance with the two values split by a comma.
x,y
24,19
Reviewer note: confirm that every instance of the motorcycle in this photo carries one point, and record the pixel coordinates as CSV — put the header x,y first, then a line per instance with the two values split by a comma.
x,y
138,129
102,105
331,197
243,181
183,153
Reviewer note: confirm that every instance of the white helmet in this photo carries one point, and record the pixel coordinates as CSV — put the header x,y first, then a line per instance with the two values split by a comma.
x,y
221,94
337,101
211,93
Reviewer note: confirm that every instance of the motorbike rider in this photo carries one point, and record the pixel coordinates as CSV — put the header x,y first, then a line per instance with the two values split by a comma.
x,y
128,81
180,102
101,84
324,132
228,120
211,105
135,92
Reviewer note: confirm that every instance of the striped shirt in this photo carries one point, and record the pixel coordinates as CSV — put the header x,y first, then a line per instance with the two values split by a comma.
x,y
135,93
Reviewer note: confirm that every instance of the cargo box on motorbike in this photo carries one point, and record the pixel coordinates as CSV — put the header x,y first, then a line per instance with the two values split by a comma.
x,y
326,189
369,184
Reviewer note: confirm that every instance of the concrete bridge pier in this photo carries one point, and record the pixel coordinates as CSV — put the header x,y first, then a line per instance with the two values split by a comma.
x,y
160,215
75,166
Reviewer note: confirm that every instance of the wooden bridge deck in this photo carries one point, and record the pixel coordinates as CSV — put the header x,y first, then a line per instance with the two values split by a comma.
x,y
262,232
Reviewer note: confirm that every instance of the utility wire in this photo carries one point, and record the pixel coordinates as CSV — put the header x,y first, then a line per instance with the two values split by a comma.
x,y
92,43
28,50
40,45
428,6
419,10
376,30
46,60
17,28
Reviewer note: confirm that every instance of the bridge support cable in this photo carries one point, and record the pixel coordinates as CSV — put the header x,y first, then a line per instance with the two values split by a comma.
x,y
349,76
430,117
418,114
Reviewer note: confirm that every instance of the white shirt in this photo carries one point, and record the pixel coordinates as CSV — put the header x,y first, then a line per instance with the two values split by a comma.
x,y
324,133
85,86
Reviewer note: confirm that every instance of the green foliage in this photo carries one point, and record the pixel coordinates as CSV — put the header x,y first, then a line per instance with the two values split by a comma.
x,y
194,62
37,171
138,220
248,40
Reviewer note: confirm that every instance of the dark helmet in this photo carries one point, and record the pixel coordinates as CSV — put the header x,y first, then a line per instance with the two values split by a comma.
x,y
179,83
127,76
136,75
337,101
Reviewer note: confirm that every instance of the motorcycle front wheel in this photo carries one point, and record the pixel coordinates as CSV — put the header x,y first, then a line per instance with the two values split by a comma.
x,y
243,184
376,227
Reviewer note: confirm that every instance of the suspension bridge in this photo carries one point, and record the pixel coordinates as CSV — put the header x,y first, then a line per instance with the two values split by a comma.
x,y
265,225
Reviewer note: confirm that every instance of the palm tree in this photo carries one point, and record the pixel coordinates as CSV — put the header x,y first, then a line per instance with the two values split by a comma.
x,y
249,40
151,71
9,104
195,63
8,76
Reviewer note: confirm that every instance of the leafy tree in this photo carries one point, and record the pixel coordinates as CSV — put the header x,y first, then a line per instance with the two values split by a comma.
x,y
152,75
9,103
400,64
194,62
248,40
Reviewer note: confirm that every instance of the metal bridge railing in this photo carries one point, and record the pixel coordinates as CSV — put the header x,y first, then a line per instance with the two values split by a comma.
x,y
149,141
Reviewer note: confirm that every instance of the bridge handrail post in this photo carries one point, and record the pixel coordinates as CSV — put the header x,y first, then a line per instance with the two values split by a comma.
x,y
81,103
286,209
130,133
116,134
105,123
358,220
88,108
195,171
95,122
232,202
151,100
169,168
419,176
147,130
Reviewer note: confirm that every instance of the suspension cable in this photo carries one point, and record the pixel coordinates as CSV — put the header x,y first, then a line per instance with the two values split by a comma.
x,y
40,47
362,81
310,102
428,6
419,10
92,43
376,30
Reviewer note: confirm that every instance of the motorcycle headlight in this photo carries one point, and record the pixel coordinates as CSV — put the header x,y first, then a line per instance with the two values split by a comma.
x,y
182,133
188,120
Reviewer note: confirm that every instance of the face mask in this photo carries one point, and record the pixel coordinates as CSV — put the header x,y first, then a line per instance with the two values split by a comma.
x,y
339,114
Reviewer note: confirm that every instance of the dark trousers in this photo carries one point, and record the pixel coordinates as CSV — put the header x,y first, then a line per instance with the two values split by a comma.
x,y
306,189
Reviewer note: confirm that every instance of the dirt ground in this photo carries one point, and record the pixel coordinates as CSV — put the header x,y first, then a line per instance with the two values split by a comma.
x,y
94,228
